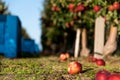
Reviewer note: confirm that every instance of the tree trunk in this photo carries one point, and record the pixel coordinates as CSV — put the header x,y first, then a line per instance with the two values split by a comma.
x,y
111,43
85,51
77,43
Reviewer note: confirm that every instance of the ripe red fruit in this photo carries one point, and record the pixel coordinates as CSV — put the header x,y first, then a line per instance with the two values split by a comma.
x,y
74,68
102,75
80,7
63,57
114,77
55,8
100,62
110,8
96,8
67,55
116,5
94,59
71,6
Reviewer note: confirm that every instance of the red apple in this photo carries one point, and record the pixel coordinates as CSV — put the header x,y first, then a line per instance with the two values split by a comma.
x,y
74,68
71,6
102,75
96,8
91,58
63,57
80,7
55,8
110,8
67,55
94,59
114,77
116,5
100,62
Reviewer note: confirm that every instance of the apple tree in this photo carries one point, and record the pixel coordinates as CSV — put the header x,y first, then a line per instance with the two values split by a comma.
x,y
63,21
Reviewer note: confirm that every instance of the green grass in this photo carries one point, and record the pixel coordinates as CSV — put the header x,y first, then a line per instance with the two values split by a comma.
x,y
50,68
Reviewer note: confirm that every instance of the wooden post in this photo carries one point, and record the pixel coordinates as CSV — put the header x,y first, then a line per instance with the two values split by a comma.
x,y
77,42
99,37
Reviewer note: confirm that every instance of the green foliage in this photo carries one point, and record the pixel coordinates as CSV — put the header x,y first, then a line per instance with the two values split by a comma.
x,y
3,8
60,15
24,33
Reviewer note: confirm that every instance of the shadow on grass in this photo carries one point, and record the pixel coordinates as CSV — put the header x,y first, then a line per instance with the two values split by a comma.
x,y
86,70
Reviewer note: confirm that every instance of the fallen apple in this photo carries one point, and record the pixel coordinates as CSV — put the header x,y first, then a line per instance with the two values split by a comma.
x,y
102,75
114,77
67,55
74,67
94,59
100,62
63,57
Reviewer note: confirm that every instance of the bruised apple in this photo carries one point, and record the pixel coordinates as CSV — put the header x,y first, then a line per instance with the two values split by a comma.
x,y
100,62
114,77
102,75
74,68
63,57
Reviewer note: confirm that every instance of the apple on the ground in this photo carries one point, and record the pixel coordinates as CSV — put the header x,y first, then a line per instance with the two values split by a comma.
x,y
102,75
74,67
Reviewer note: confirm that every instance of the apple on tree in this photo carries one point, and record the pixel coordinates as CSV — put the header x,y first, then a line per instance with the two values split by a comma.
x,y
111,8
71,6
55,8
96,8
80,7
116,5
74,67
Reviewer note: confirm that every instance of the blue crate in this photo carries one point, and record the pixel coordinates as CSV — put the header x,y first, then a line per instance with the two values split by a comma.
x,y
28,45
37,50
2,32
10,28
11,44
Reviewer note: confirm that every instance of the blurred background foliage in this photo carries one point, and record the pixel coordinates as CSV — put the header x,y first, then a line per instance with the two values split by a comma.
x,y
61,18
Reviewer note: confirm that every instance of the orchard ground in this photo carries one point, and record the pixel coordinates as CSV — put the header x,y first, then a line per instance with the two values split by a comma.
x,y
49,67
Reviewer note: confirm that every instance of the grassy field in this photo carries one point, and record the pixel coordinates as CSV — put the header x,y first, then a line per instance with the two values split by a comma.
x,y
50,68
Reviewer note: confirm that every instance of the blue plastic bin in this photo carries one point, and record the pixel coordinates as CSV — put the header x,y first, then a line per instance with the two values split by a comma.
x,y
10,36
28,45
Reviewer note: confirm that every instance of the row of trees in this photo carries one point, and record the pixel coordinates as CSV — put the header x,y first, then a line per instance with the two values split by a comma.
x,y
62,18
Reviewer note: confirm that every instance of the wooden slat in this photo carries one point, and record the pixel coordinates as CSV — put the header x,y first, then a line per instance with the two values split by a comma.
x,y
77,43
99,37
